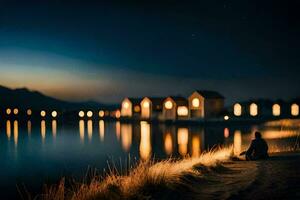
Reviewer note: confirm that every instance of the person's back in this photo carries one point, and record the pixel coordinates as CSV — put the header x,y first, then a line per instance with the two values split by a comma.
x,y
258,148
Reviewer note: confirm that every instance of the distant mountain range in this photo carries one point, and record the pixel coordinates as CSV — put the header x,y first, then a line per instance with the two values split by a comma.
x,y
24,98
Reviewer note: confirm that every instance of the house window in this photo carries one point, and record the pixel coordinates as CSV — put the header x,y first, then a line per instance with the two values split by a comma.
x,y
168,105
182,111
237,109
146,104
196,103
253,109
276,109
294,109
125,105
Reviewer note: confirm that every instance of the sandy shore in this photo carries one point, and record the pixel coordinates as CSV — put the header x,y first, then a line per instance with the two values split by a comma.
x,y
276,178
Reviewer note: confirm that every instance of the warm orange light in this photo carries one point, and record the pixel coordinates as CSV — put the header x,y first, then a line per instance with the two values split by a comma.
x,y
182,111
126,136
183,138
101,113
276,109
226,117
54,128
137,109
8,129
43,129
253,109
54,113
168,105
89,114
196,146
43,113
101,130
90,129
126,105
237,142
8,111
196,102
16,132
81,114
146,104
168,144
237,109
226,132
145,144
81,130
294,109
16,111
118,114
29,112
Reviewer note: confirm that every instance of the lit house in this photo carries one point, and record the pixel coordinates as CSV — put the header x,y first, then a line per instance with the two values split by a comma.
x,y
205,104
130,107
175,108
151,107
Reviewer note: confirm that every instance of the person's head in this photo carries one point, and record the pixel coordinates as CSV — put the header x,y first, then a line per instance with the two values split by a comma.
x,y
257,135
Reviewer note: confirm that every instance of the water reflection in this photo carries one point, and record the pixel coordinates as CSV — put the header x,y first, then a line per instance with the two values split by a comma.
x,y
126,136
81,130
118,130
101,130
145,144
29,127
237,142
168,144
196,146
90,129
54,128
226,132
16,132
43,130
183,139
8,129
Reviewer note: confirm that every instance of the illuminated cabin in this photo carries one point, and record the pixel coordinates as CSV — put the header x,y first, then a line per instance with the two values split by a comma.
x,y
151,107
175,108
130,107
205,104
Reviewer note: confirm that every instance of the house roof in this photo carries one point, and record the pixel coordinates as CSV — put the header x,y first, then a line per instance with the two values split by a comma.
x,y
208,94
179,100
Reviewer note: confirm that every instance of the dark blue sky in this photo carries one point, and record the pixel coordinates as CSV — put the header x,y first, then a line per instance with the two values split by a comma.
x,y
105,51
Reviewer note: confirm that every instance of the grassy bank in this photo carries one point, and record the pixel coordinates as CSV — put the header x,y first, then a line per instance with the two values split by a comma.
x,y
147,180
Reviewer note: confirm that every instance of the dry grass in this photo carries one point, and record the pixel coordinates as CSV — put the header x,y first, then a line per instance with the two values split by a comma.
x,y
147,180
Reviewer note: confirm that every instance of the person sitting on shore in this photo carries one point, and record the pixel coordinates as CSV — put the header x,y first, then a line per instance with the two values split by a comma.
x,y
258,148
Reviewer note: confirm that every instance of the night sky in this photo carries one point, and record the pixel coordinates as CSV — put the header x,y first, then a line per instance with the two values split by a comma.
x,y
82,50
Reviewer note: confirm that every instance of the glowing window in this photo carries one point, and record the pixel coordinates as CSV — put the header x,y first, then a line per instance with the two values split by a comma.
x,y
89,114
8,111
54,113
253,109
81,114
182,111
29,112
101,113
168,105
43,113
137,109
294,109
196,103
16,111
237,109
126,105
146,104
276,109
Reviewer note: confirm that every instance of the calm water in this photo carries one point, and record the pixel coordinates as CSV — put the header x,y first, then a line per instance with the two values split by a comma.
x,y
35,153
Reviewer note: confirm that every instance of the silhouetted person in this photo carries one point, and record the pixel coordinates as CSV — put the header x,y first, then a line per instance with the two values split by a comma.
x,y
258,148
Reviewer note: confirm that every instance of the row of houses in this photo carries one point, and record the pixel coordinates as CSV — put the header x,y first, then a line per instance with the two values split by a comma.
x,y
266,108
200,104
